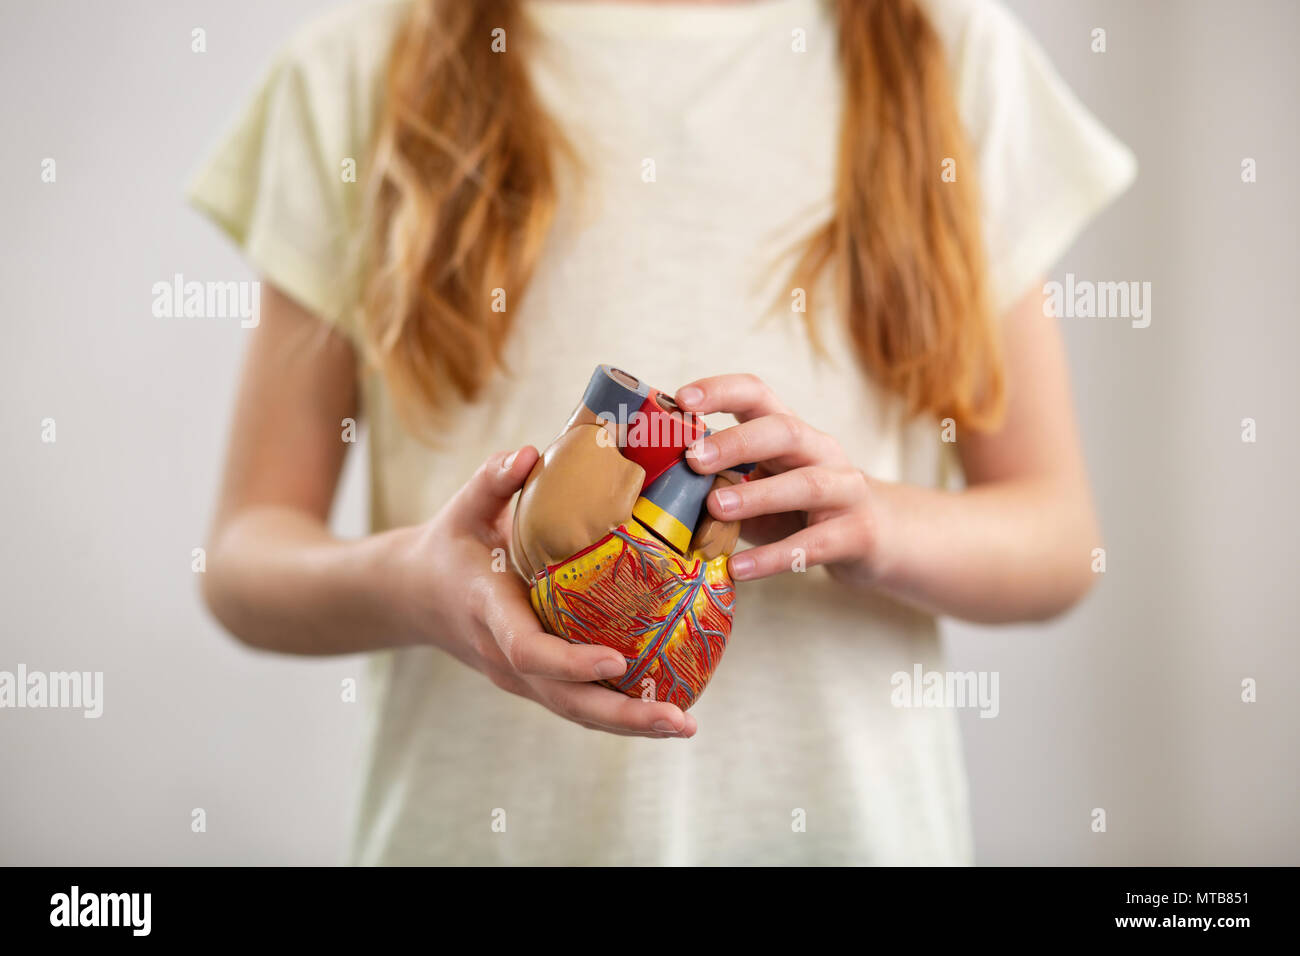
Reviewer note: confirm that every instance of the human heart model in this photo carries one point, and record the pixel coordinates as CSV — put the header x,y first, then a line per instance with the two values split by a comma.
x,y
613,538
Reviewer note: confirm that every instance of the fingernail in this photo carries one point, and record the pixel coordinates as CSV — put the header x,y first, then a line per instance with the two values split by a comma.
x,y
510,460
740,565
610,668
664,727
727,500
704,451
690,395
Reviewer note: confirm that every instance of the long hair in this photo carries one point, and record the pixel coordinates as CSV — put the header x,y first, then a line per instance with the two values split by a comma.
x,y
464,191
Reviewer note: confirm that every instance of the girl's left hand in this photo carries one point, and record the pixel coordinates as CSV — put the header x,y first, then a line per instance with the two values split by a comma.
x,y
804,495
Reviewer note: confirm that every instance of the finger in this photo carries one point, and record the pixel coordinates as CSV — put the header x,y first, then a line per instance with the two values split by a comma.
x,y
532,652
622,733
768,528
616,712
745,396
483,498
785,439
809,489
840,539
654,735
508,680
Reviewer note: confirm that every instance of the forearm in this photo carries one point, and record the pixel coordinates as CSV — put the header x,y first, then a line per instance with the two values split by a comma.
x,y
999,552
278,580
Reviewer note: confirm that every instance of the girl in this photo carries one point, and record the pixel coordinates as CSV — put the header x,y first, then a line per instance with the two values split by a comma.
x,y
828,220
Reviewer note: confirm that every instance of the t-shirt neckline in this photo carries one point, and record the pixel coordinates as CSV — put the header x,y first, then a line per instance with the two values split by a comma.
x,y
641,17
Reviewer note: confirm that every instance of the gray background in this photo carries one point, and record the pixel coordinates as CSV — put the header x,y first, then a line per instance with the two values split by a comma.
x,y
1131,703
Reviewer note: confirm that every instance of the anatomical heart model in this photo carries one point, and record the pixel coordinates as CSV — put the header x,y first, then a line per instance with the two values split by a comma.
x,y
613,538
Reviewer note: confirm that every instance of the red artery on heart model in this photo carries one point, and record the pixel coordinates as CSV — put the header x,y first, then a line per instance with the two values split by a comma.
x,y
613,538
666,435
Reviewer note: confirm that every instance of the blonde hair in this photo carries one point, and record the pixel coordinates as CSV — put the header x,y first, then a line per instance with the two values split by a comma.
x,y
464,193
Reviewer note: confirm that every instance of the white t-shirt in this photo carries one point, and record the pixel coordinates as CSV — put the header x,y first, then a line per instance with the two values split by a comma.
x,y
800,756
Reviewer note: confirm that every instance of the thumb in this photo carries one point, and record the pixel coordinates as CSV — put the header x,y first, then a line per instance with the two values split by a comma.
x,y
481,500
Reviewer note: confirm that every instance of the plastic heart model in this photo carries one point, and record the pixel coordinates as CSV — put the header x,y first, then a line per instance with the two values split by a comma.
x,y
612,536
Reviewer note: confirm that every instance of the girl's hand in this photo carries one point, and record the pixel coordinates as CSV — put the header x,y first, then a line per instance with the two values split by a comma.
x,y
804,495
465,598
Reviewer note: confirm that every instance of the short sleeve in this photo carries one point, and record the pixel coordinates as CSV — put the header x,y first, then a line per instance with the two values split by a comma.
x,y
283,181
1045,165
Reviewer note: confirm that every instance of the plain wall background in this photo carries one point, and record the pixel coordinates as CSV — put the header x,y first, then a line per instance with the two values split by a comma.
x,y
1131,703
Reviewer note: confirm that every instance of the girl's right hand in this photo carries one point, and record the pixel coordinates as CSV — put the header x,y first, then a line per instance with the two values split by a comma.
x,y
463,596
